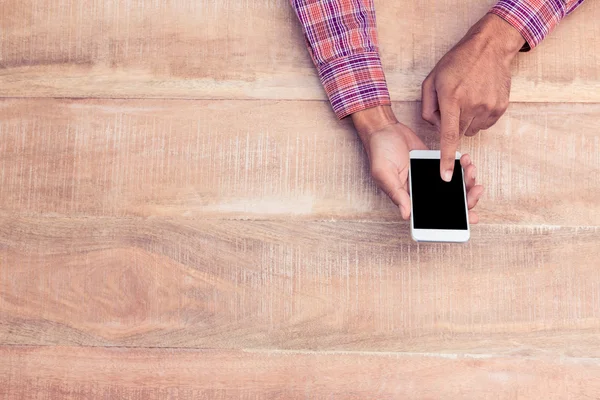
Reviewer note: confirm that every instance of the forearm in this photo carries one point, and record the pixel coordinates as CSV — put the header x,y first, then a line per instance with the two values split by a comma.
x,y
342,40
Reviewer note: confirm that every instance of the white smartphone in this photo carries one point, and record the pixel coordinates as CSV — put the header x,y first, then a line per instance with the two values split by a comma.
x,y
439,209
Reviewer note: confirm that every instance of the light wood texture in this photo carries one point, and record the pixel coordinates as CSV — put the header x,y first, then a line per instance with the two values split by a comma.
x,y
254,49
297,285
77,373
255,159
182,217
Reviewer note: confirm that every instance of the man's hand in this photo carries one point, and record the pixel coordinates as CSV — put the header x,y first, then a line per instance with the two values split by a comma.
x,y
469,88
388,143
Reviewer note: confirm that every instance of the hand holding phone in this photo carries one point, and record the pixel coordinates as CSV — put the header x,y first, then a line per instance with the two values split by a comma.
x,y
388,144
440,210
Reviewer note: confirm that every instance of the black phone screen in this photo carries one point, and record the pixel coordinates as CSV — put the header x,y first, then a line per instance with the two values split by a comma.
x,y
437,204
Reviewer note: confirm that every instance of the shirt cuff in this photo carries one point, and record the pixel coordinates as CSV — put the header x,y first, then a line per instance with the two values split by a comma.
x,y
355,83
534,19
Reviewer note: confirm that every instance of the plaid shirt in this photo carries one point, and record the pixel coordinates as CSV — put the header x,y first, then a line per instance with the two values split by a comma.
x,y
342,40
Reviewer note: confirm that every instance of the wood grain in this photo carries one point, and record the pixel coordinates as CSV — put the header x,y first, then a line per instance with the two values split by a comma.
x,y
192,246
297,285
276,160
255,49
76,373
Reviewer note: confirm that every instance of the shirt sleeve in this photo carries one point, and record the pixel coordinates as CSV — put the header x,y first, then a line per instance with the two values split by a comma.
x,y
341,37
534,19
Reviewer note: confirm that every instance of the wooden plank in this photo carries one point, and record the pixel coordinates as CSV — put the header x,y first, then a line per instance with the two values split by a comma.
x,y
83,373
297,285
254,159
254,49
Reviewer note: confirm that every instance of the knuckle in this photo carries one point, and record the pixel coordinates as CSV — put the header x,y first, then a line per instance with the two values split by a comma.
x,y
449,136
449,92
471,107
454,95
473,104
494,116
459,93
487,108
502,107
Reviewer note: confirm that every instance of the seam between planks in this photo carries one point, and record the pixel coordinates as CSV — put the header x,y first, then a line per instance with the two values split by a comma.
x,y
14,216
275,351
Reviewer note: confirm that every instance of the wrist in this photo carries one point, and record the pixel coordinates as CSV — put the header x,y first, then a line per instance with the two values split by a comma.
x,y
373,119
497,34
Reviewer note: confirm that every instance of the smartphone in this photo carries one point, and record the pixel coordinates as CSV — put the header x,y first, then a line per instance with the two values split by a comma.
x,y
439,208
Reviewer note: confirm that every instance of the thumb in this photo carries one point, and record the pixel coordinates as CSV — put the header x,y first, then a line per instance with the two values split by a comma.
x,y
389,181
449,138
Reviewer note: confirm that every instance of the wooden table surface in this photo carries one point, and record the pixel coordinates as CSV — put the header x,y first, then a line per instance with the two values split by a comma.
x,y
182,216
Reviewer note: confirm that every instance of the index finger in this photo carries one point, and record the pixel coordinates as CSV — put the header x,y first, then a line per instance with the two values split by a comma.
x,y
449,137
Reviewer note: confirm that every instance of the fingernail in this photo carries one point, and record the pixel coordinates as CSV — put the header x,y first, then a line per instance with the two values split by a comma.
x,y
474,171
447,176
